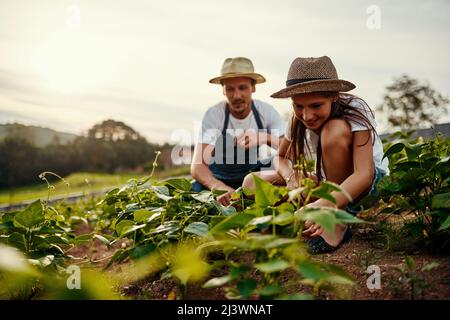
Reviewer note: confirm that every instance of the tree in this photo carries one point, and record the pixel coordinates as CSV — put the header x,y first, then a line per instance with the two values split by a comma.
x,y
111,130
410,104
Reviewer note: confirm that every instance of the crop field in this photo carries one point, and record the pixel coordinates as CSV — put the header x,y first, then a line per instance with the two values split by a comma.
x,y
154,238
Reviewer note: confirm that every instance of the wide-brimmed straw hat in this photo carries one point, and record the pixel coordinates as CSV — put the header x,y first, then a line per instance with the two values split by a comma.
x,y
238,67
312,75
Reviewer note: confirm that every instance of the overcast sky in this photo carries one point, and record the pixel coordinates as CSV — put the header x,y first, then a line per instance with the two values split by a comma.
x,y
68,64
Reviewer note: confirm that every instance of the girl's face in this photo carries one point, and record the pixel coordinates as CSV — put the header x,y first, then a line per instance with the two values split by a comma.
x,y
312,109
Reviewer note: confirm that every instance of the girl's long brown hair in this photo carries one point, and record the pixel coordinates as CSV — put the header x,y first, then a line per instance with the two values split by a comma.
x,y
341,109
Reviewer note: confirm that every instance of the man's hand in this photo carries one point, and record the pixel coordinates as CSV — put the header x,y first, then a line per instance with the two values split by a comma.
x,y
225,198
251,138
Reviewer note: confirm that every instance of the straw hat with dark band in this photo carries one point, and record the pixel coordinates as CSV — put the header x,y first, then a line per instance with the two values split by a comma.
x,y
312,75
238,67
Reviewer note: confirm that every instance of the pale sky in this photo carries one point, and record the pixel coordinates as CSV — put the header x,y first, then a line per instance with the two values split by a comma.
x,y
67,64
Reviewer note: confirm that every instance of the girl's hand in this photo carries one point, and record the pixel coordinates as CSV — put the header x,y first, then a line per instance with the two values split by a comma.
x,y
312,229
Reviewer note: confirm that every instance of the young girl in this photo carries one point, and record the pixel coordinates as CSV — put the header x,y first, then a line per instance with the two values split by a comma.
x,y
335,129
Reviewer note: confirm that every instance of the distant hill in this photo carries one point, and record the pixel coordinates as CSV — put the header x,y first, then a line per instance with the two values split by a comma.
x,y
39,136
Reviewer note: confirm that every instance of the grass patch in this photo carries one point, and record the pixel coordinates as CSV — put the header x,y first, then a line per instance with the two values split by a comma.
x,y
85,182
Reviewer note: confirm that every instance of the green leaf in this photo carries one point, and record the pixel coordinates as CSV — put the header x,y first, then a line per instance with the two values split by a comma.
x,y
396,148
17,240
430,266
31,216
410,262
283,219
145,215
217,282
324,195
272,266
203,196
259,221
238,220
246,287
142,251
311,270
267,194
198,228
441,201
345,217
445,224
85,238
56,239
168,227
179,184
270,290
125,227
324,217
102,239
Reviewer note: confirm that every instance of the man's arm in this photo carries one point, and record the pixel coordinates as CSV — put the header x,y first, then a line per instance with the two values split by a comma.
x,y
201,172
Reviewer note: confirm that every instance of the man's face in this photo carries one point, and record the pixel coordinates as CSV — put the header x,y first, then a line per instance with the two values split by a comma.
x,y
239,94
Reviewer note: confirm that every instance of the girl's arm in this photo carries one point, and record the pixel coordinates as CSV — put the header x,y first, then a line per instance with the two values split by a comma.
x,y
284,166
363,171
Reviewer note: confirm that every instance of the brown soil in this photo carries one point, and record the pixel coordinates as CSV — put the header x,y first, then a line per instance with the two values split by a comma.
x,y
363,250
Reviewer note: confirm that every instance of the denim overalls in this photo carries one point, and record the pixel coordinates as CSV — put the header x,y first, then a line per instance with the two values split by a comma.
x,y
231,163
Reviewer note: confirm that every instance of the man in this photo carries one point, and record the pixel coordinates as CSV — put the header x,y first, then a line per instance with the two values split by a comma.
x,y
233,130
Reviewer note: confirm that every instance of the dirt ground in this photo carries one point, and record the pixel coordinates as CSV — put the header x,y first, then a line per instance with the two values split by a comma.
x,y
362,251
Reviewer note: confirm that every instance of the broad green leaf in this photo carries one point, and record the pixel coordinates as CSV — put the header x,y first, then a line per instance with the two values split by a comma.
x,y
124,224
168,227
203,196
129,229
85,238
237,271
102,239
441,201
246,287
31,216
279,242
260,221
217,282
345,217
324,217
445,224
57,239
396,148
267,194
270,290
430,266
162,192
311,270
142,251
272,266
283,219
198,228
237,220
179,184
142,215
17,240
410,262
